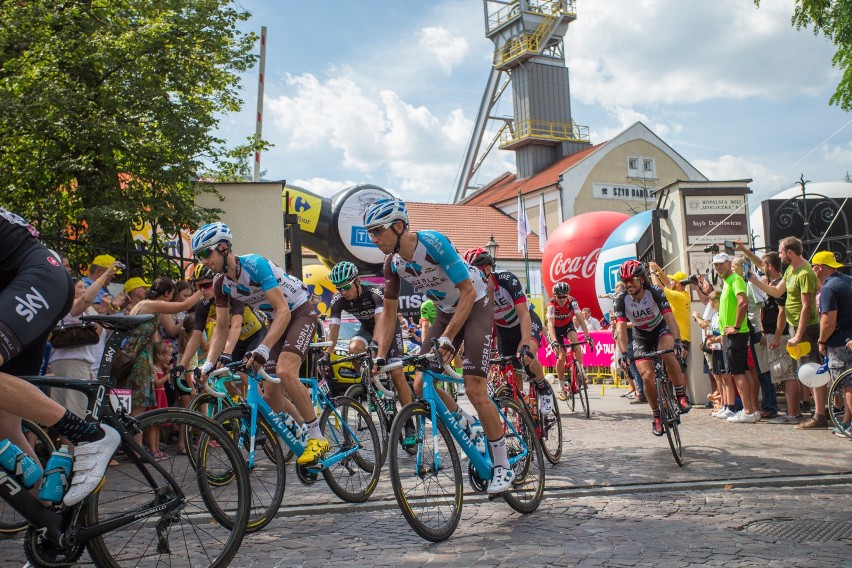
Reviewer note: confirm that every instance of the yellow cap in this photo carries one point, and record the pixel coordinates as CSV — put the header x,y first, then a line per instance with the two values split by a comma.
x,y
826,258
677,276
105,261
134,283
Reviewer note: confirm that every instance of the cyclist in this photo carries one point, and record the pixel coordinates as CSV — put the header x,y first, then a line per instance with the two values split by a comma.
x,y
245,329
561,311
654,328
35,293
429,262
518,329
365,302
260,283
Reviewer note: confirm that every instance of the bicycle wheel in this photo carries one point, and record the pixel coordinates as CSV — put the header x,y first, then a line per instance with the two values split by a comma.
x,y
670,416
837,400
428,485
576,369
207,405
551,430
528,488
378,414
191,535
583,390
354,477
267,478
10,521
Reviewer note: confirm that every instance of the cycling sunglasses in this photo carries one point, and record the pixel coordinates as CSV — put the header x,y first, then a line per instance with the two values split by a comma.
x,y
344,287
204,285
561,296
630,280
204,254
376,231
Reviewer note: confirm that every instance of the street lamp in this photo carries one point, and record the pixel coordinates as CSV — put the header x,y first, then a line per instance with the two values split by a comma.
x,y
492,247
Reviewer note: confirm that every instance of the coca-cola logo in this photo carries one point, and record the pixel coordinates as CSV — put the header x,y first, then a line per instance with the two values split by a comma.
x,y
577,267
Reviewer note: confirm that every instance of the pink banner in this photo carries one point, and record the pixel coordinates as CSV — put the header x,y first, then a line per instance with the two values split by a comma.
x,y
599,356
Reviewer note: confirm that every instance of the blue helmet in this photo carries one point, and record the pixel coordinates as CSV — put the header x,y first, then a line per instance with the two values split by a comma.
x,y
385,211
210,235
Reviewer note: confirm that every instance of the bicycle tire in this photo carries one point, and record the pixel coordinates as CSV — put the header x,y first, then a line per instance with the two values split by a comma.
x,y
268,480
583,391
670,417
214,405
355,477
434,518
377,413
126,490
10,520
528,487
550,426
837,388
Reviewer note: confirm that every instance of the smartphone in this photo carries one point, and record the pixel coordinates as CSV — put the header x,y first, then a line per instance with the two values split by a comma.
x,y
746,269
729,244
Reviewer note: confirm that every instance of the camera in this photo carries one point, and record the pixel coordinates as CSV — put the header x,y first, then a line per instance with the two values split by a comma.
x,y
691,280
120,266
712,249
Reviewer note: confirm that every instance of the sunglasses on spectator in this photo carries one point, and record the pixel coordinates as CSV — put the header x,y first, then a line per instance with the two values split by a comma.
x,y
204,285
345,287
204,254
376,231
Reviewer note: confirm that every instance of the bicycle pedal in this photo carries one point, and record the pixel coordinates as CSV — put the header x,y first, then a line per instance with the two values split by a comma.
x,y
497,495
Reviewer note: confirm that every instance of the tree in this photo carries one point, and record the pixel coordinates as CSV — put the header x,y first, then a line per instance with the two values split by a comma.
x,y
832,18
110,107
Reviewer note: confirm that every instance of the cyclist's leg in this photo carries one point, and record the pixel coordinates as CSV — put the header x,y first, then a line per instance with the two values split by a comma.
x,y
436,330
398,376
578,350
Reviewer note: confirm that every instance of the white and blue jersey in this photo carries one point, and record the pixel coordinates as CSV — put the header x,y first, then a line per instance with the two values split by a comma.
x,y
259,275
435,270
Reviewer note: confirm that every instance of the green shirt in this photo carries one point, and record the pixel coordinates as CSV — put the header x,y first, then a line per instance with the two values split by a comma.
x,y
800,281
734,285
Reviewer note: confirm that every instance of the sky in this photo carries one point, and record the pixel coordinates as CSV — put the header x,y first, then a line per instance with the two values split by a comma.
x,y
385,92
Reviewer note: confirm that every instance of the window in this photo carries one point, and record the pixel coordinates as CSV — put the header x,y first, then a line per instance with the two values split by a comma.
x,y
632,163
648,169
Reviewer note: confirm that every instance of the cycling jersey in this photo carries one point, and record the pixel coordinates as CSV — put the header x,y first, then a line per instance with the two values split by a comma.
x,y
645,314
16,235
205,311
363,307
434,270
508,292
259,275
563,316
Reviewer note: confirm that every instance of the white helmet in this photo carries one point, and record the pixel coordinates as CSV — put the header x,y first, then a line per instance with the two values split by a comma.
x,y
385,211
210,235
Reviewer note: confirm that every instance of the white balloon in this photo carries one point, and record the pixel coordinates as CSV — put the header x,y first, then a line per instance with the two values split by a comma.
x,y
813,375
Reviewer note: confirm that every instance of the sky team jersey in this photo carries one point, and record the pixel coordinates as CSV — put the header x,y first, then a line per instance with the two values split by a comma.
x,y
434,270
257,277
364,307
647,313
14,232
563,316
508,292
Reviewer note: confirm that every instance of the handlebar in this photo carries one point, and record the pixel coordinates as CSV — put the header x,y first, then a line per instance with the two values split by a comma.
x,y
233,366
653,354
320,344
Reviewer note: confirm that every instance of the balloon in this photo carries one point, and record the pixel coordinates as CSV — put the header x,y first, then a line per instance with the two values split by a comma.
x,y
813,375
571,254
619,246
315,277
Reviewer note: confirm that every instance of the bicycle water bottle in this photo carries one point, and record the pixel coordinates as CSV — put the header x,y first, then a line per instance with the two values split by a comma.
x,y
477,435
21,465
57,475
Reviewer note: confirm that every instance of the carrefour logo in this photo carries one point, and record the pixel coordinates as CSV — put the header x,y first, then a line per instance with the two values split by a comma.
x,y
360,238
611,273
300,205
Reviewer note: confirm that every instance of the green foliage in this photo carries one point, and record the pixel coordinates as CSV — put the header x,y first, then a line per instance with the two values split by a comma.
x,y
109,108
833,19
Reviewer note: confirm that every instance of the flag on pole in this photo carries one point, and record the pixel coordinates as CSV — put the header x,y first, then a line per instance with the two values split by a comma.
x,y
523,226
542,225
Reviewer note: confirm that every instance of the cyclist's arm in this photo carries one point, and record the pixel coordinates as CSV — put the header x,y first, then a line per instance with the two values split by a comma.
x,y
523,311
385,326
669,318
333,333
220,335
621,335
234,331
192,345
280,318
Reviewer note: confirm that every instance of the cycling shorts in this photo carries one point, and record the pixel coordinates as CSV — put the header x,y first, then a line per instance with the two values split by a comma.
x,y
562,334
35,293
646,341
243,346
475,334
297,335
509,338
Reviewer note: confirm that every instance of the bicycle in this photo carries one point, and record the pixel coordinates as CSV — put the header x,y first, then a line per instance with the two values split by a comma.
x,y
669,409
435,515
579,386
350,468
10,521
143,514
837,392
508,380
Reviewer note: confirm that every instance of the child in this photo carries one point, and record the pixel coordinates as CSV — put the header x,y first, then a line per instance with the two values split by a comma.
x,y
162,363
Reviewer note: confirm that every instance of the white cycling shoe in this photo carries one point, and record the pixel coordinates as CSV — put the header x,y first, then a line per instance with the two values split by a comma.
x,y
545,403
91,461
501,480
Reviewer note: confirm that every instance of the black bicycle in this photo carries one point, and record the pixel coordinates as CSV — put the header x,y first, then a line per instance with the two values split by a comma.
x,y
146,513
669,409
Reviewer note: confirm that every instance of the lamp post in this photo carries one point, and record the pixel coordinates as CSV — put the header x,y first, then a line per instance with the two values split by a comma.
x,y
492,245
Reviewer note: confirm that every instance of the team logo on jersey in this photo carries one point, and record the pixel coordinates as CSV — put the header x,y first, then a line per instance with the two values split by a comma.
x,y
52,260
30,304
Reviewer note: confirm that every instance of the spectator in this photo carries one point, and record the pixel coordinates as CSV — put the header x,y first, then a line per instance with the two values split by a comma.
x,y
704,321
100,264
757,360
724,380
591,323
66,264
835,324
679,299
135,289
162,364
733,323
800,284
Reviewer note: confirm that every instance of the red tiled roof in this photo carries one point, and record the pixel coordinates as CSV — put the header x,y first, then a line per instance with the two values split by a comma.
x,y
469,226
507,186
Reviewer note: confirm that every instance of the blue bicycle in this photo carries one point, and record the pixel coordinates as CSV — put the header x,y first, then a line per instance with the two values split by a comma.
x,y
350,468
428,483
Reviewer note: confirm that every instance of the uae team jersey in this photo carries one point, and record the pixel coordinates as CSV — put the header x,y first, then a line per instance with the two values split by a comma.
x,y
434,270
508,292
257,277
647,313
364,307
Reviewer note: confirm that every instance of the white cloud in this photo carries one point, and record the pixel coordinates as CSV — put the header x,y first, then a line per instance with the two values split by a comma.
x,y
323,186
449,50
626,117
729,167
838,154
